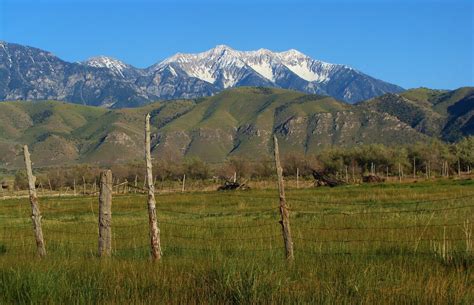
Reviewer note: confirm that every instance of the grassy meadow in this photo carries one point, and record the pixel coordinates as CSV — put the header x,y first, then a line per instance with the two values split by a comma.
x,y
408,243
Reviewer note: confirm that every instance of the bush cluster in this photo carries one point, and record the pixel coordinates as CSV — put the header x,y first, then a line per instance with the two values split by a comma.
x,y
336,160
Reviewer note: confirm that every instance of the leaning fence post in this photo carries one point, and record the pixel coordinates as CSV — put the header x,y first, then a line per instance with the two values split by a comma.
x,y
285,216
105,213
153,224
35,211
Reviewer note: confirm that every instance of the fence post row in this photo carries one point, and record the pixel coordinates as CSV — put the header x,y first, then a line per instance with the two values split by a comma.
x,y
153,224
105,214
285,217
35,211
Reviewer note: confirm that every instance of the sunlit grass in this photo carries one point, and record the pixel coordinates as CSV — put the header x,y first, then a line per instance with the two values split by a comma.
x,y
356,244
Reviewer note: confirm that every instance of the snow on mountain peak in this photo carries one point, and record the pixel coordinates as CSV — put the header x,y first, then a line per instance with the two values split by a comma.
x,y
225,65
113,64
221,47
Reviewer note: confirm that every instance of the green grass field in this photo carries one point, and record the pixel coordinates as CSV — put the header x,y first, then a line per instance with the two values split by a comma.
x,y
370,244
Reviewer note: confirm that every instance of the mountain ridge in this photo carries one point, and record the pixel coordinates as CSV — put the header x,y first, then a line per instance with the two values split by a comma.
x,y
236,122
28,73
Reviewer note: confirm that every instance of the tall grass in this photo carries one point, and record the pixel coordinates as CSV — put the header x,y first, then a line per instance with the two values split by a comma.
x,y
357,244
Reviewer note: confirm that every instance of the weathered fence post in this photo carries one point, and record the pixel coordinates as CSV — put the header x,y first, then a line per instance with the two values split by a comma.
x,y
105,213
353,172
429,169
153,224
414,168
285,216
135,184
297,178
117,186
35,211
184,183
399,172
74,186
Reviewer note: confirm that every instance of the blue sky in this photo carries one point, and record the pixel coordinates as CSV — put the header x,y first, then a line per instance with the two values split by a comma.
x,y
410,43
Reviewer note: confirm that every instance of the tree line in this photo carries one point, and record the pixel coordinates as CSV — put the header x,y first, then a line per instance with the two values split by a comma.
x,y
436,156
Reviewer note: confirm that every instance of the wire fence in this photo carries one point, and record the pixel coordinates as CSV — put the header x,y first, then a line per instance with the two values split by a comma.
x,y
252,231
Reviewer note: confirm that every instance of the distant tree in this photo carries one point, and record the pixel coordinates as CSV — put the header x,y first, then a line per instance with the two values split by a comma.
x,y
464,151
195,168
21,180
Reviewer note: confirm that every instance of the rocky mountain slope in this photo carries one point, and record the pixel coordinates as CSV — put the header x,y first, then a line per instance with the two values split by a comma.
x,y
235,122
28,73
444,114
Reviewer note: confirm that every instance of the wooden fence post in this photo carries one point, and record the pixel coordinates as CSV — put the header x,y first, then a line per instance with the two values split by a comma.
x,y
74,186
105,213
135,184
399,172
297,178
184,183
35,211
353,172
429,169
153,223
414,168
285,216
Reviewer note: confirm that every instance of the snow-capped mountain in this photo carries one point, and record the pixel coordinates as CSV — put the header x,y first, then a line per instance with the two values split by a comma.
x,y
30,73
225,67
119,68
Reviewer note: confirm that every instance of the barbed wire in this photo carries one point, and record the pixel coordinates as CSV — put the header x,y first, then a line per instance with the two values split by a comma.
x,y
219,227
73,232
367,254
351,203
269,237
402,227
22,226
377,240
382,212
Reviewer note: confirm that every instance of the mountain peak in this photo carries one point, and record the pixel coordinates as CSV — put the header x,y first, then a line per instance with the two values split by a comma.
x,y
108,81
221,47
293,52
101,61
